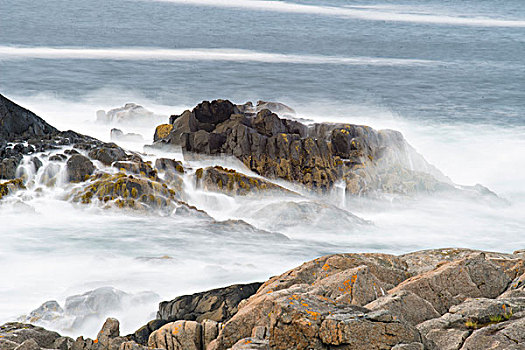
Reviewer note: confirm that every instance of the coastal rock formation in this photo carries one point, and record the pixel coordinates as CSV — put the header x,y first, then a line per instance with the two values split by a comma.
x,y
79,168
316,156
231,182
217,304
466,301
119,135
130,113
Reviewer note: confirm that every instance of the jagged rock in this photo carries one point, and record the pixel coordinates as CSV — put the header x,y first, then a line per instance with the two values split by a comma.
x,y
315,156
298,319
516,289
453,282
426,260
29,344
123,191
388,269
20,332
217,304
110,329
11,186
162,131
20,123
119,135
142,334
108,153
79,168
48,311
179,335
231,182
504,335
406,306
63,343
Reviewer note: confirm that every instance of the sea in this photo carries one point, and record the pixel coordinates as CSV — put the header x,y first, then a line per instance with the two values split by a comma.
x,y
448,74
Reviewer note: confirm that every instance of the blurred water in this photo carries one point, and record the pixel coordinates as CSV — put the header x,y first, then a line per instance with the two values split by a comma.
x,y
450,75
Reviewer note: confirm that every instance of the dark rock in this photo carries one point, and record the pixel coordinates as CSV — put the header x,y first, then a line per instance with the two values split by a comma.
x,y
218,304
20,332
169,165
142,334
316,156
231,182
18,123
63,343
59,157
9,165
29,344
108,153
79,168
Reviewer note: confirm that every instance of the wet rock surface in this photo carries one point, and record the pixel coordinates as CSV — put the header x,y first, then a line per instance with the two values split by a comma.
x,y
315,156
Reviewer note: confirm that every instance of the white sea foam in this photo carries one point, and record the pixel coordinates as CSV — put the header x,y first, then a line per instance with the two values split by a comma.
x,y
355,12
232,55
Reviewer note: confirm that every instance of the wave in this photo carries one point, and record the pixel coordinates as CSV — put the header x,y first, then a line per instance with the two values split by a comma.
x,y
232,55
358,12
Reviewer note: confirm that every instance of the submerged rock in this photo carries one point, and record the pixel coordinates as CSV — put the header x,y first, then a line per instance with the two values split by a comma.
x,y
119,135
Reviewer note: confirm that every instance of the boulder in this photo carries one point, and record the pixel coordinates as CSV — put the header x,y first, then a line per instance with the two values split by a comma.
x,y
231,182
110,329
108,153
217,304
406,306
20,332
453,282
162,131
79,168
10,187
48,311
179,335
19,123
275,107
142,334
503,335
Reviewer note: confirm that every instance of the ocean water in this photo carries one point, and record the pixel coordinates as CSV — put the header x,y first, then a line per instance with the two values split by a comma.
x,y
449,74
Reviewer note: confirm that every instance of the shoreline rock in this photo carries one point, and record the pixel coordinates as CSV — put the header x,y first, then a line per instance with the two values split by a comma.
x,y
465,301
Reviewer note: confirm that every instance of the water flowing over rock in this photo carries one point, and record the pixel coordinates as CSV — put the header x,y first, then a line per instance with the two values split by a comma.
x,y
315,156
130,113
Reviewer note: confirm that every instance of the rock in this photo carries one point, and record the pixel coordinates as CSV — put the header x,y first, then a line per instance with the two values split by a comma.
x,y
28,344
18,123
316,156
118,135
170,166
275,107
63,343
131,113
453,282
516,289
97,301
406,306
251,344
210,331
142,334
131,192
8,166
59,157
162,131
138,167
48,311
108,153
10,187
79,168
231,182
217,304
110,329
411,346
179,335
20,332
388,269
308,216
8,344
297,319
504,335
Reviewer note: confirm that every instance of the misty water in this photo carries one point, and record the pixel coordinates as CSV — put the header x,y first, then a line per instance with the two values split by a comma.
x,y
449,75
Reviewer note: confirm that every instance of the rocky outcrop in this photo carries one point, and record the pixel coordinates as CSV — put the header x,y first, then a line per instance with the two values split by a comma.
x,y
11,186
231,182
217,304
316,156
79,168
341,301
18,123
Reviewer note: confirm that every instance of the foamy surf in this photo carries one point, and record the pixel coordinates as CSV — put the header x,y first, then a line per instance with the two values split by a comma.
x,y
231,55
355,13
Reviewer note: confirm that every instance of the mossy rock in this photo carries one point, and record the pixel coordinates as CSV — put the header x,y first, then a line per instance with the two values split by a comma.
x,y
11,186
